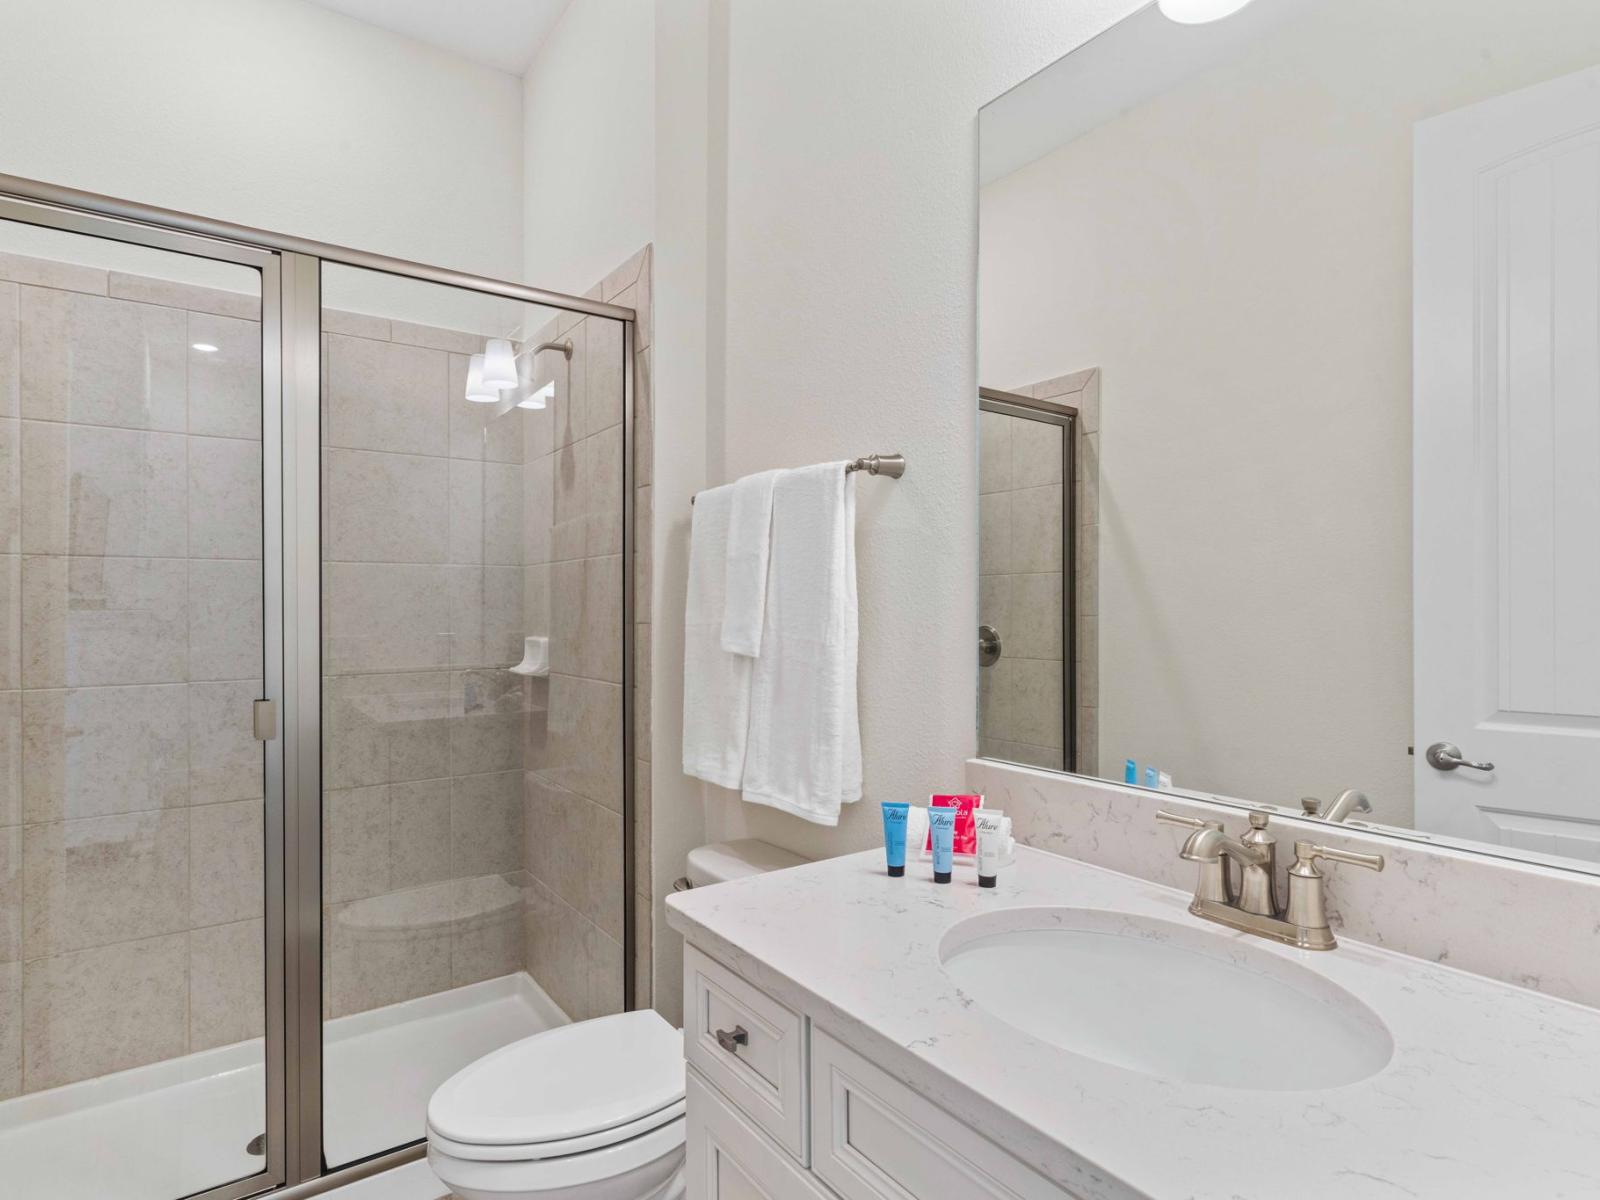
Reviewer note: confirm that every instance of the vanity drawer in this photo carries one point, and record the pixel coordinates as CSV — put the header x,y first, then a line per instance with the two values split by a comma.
x,y
730,1159
876,1139
764,1070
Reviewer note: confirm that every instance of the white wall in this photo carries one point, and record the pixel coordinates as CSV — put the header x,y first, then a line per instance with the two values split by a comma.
x,y
849,280
272,113
816,217
589,144
691,75
1235,256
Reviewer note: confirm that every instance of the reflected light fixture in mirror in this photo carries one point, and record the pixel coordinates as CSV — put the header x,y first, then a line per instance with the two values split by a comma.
x,y
1198,12
477,390
499,365
540,398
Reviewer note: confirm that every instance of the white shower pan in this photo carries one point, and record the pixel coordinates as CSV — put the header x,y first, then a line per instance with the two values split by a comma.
x,y
163,1131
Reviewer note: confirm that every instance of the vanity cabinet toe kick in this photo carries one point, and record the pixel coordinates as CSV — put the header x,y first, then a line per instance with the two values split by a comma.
x,y
779,1110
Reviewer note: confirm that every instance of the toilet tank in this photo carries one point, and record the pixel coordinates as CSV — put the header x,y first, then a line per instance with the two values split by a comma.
x,y
722,861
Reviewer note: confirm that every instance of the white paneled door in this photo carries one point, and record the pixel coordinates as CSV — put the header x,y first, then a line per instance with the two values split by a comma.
x,y
1507,468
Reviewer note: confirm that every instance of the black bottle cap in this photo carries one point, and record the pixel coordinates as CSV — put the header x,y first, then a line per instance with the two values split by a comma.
x,y
896,872
987,880
941,876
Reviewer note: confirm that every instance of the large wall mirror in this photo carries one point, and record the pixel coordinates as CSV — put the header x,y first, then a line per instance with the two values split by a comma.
x,y
1293,493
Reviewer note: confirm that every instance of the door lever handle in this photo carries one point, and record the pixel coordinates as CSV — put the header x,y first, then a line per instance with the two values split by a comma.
x,y
988,645
1446,756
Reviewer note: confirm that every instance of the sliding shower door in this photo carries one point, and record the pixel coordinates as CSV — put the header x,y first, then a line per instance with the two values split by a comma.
x,y
472,496
135,798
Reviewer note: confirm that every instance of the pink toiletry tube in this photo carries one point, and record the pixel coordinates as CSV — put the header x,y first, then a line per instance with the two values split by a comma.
x,y
966,837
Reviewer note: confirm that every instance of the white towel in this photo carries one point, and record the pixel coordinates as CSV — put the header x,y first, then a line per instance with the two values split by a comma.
x,y
716,684
804,748
749,541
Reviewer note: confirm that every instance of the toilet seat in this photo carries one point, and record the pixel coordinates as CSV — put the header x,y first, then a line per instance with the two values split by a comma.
x,y
576,1089
530,1151
634,1168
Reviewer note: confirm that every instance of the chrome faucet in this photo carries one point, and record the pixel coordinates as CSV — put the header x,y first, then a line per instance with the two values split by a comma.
x,y
1255,909
1216,881
1349,801
1256,854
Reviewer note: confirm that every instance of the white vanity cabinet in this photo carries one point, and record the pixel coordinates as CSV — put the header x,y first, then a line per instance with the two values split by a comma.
x,y
730,1159
749,1046
781,1110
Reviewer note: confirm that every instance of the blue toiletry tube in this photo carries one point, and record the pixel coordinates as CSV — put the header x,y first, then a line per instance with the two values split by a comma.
x,y
942,823
895,815
1152,777
1130,772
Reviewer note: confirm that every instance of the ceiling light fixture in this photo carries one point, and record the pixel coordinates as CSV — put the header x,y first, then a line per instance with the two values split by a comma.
x,y
1198,12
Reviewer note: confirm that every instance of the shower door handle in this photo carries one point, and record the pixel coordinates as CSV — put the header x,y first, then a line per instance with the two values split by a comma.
x,y
988,645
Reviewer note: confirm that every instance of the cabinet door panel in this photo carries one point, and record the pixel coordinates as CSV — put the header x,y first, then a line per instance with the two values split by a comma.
x,y
730,1159
873,1138
763,1071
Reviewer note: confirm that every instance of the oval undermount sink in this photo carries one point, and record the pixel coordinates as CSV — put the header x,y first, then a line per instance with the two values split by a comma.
x,y
1165,999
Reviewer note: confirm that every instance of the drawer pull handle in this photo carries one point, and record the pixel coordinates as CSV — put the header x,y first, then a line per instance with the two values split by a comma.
x,y
732,1041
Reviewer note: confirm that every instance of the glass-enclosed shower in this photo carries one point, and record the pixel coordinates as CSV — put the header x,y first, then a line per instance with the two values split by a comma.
x,y
313,595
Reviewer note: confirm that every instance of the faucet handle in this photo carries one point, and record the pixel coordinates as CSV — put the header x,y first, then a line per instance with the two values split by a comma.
x,y
1308,852
1215,882
1186,822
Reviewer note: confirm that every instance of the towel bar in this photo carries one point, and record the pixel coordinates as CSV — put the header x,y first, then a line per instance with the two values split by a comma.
x,y
892,465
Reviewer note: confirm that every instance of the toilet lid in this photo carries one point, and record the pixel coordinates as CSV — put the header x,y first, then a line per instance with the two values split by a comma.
x,y
564,1083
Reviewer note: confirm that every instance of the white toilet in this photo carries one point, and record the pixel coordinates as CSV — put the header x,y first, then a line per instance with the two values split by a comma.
x,y
588,1111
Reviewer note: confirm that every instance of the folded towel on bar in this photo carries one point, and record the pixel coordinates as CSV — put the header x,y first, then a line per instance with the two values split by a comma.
x,y
803,754
716,683
749,543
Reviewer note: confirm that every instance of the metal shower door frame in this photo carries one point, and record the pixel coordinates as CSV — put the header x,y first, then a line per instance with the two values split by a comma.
x,y
1064,416
24,210
291,322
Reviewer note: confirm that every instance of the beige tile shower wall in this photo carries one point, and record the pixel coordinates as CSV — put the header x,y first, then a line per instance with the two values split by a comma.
x,y
130,653
574,785
423,509
1021,548
1019,590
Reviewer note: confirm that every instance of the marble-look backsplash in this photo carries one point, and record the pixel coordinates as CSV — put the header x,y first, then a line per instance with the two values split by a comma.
x,y
1532,926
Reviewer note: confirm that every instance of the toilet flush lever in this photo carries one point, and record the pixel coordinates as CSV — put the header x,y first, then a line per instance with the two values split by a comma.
x,y
731,1041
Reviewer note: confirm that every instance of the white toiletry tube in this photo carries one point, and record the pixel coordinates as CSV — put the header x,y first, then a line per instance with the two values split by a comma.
x,y
991,825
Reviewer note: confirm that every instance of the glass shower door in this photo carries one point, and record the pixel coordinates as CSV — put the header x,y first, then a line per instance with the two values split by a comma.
x,y
428,559
133,797
472,674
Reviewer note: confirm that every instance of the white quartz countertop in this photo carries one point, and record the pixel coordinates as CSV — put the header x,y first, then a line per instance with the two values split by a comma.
x,y
1492,1091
